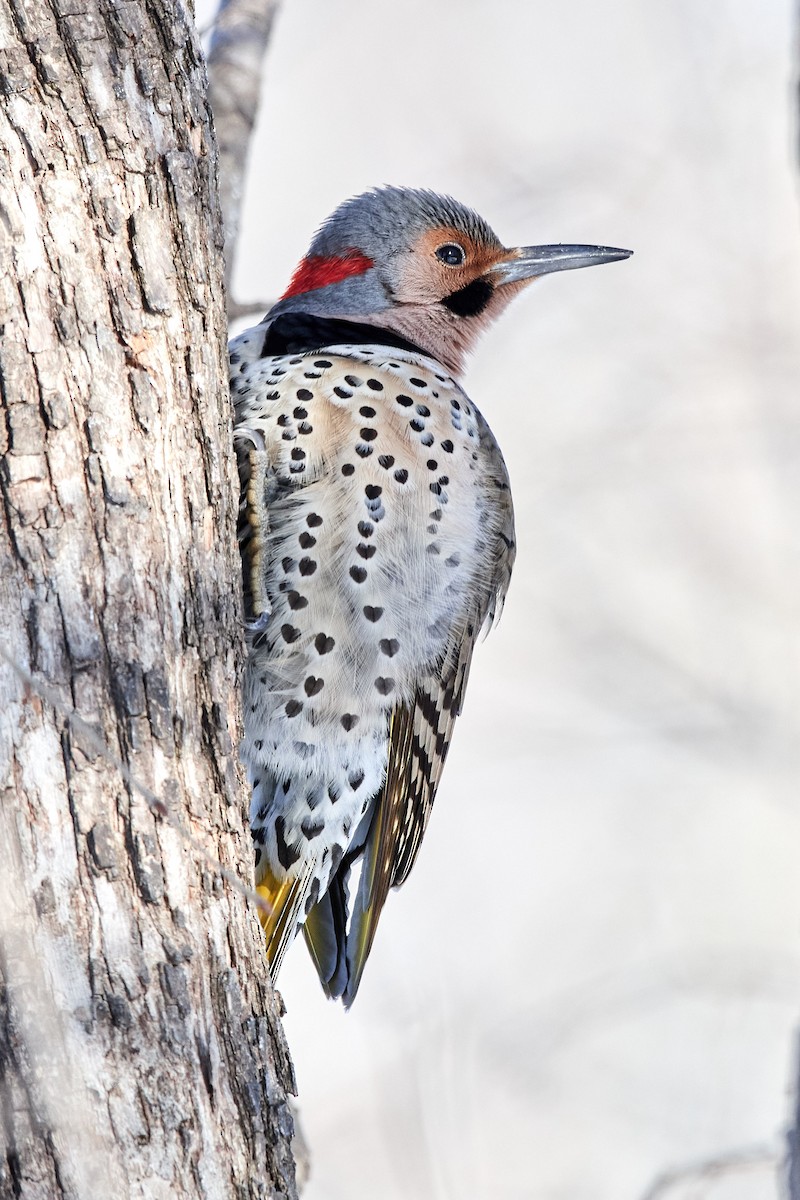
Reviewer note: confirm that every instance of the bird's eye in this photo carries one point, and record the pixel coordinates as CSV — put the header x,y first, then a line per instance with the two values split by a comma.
x,y
452,254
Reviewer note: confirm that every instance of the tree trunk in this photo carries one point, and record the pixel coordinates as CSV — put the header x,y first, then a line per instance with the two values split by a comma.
x,y
140,1046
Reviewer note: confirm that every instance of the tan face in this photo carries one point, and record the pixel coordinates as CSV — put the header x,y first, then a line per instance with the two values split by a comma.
x,y
431,269
443,293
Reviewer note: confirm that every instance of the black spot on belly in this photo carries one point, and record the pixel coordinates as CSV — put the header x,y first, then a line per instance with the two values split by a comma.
x,y
287,855
311,828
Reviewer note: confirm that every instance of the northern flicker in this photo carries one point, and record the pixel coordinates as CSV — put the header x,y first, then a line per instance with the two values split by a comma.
x,y
377,536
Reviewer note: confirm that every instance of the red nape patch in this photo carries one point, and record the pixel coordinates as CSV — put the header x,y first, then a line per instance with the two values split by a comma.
x,y
317,271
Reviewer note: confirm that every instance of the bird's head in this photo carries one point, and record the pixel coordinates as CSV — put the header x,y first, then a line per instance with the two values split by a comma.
x,y
423,266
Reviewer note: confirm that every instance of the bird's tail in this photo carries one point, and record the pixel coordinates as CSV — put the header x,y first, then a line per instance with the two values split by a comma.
x,y
326,937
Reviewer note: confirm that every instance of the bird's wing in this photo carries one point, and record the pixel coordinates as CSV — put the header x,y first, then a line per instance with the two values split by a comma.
x,y
419,738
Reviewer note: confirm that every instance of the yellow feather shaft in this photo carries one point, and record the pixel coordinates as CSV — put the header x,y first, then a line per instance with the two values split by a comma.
x,y
277,896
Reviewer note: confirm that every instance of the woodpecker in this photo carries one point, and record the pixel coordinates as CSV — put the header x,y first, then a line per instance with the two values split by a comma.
x,y
377,539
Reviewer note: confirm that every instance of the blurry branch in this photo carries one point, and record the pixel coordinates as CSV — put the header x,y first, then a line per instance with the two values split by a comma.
x,y
792,1179
300,1150
710,1169
241,34
793,1134
236,310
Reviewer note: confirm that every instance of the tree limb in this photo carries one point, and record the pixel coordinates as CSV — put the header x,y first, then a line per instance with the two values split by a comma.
x,y
235,64
732,1162
793,1134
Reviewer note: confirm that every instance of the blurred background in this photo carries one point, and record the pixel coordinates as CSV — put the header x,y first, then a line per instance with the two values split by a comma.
x,y
609,1008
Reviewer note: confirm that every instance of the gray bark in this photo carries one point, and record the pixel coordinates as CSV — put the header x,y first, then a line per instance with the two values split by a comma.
x,y
235,67
141,1053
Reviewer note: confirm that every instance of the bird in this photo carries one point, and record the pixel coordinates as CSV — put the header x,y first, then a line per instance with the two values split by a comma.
x,y
376,530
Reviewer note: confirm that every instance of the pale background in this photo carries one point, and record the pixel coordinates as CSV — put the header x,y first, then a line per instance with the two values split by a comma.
x,y
592,975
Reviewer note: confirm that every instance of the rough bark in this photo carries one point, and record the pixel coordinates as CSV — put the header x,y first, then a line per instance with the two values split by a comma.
x,y
235,67
140,1045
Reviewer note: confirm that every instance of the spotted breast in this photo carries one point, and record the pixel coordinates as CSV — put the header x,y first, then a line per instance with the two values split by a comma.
x,y
377,531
